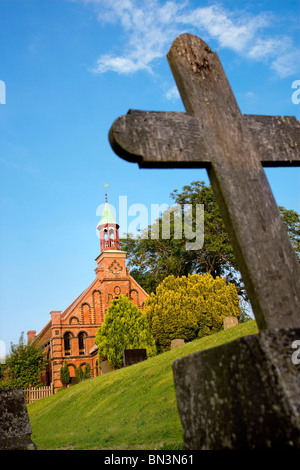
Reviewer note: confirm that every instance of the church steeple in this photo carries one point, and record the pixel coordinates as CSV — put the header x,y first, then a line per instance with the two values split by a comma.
x,y
108,229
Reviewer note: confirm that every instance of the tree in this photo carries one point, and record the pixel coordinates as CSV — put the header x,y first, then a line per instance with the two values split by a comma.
x,y
291,221
83,374
125,327
153,259
190,307
216,256
87,372
65,374
79,373
24,365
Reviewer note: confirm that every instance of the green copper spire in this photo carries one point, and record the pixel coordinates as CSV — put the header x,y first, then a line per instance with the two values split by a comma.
x,y
107,216
108,229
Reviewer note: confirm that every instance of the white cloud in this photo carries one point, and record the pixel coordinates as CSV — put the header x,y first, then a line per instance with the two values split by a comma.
x,y
264,48
120,65
279,53
149,29
286,64
231,31
150,26
172,93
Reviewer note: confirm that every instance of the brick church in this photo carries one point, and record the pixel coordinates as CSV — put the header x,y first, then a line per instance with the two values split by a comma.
x,y
70,335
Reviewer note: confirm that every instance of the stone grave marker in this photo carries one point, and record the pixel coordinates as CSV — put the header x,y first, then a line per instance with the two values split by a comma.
x,y
133,356
229,322
106,367
15,428
176,343
234,148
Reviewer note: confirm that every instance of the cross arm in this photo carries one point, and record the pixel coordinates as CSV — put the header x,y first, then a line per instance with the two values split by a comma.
x,y
169,139
157,139
277,139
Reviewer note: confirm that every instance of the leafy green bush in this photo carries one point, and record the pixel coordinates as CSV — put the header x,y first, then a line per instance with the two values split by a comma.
x,y
86,372
83,374
125,327
65,374
24,365
187,307
79,373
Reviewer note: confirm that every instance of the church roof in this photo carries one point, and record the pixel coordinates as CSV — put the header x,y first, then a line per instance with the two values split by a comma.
x,y
107,216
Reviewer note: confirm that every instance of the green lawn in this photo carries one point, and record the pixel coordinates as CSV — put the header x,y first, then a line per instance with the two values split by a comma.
x,y
130,408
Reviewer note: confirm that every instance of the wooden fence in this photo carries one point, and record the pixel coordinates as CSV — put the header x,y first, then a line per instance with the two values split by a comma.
x,y
34,394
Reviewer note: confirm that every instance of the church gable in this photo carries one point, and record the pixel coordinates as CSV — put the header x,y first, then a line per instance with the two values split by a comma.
x,y
90,306
87,309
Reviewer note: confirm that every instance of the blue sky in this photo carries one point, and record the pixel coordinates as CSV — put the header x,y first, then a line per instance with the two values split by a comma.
x,y
71,67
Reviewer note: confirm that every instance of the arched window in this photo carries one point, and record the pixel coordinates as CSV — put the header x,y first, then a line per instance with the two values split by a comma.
x,y
105,237
134,295
112,237
81,343
67,344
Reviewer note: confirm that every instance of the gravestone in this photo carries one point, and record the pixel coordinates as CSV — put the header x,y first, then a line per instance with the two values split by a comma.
x,y
106,367
234,148
229,322
242,395
176,343
133,356
15,428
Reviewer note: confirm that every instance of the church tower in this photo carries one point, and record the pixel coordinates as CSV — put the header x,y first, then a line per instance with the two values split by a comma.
x,y
111,261
108,230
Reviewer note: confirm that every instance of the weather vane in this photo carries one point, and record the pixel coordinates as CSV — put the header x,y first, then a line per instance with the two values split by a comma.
x,y
105,192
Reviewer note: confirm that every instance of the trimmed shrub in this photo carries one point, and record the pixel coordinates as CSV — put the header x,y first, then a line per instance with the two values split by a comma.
x,y
190,307
125,327
65,374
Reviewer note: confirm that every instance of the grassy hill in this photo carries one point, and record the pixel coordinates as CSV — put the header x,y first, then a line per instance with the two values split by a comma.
x,y
130,408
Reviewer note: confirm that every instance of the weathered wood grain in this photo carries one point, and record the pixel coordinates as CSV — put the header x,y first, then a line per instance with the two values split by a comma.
x,y
179,142
215,135
277,139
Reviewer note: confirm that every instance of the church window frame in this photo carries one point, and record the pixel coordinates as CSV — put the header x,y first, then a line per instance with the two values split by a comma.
x,y
67,343
82,335
112,237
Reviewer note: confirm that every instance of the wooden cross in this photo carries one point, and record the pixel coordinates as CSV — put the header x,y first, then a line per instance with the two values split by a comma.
x,y
213,134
